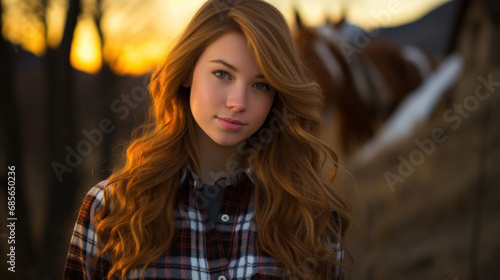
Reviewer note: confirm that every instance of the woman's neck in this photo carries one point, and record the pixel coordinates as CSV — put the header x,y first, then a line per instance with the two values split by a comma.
x,y
216,161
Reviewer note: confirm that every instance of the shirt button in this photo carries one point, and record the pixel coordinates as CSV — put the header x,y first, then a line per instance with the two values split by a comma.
x,y
222,277
224,218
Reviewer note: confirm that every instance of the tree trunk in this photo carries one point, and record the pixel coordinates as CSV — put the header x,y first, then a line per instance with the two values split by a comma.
x,y
107,81
10,123
61,123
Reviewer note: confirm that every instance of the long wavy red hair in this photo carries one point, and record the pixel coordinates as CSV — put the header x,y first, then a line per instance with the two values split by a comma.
x,y
295,204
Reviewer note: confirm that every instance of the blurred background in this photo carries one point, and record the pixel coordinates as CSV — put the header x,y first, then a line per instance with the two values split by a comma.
x,y
411,107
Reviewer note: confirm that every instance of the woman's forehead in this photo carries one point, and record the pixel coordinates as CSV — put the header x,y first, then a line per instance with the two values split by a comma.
x,y
232,51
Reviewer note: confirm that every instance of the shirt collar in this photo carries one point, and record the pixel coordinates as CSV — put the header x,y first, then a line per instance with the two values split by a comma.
x,y
189,177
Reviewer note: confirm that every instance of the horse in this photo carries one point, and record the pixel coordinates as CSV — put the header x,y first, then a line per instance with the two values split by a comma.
x,y
363,78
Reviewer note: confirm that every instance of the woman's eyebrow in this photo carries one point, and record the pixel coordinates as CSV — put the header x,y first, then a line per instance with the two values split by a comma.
x,y
225,64
220,61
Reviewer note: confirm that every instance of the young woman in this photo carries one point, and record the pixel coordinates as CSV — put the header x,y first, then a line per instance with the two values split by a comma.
x,y
228,179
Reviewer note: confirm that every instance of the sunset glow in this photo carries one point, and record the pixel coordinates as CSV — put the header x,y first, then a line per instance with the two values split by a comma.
x,y
137,35
86,51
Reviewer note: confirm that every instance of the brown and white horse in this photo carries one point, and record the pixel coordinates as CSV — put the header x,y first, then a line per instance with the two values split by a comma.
x,y
363,78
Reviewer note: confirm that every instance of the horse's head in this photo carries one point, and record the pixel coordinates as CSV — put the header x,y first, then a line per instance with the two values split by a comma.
x,y
321,49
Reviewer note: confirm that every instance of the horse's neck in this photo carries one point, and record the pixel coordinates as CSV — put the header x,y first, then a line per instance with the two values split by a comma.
x,y
330,34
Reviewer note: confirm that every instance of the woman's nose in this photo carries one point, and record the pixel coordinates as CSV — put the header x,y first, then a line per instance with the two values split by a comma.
x,y
237,98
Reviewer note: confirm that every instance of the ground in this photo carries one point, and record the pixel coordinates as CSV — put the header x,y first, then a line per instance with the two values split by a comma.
x,y
431,211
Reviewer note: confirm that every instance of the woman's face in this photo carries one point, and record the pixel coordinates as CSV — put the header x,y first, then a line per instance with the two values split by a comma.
x,y
230,97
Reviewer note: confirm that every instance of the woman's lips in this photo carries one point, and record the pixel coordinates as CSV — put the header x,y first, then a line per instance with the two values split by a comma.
x,y
231,124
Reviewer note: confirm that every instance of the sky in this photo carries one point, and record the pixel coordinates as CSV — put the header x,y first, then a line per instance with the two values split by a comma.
x,y
139,32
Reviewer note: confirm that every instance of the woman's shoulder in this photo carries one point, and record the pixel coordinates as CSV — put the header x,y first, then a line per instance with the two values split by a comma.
x,y
94,198
98,188
96,191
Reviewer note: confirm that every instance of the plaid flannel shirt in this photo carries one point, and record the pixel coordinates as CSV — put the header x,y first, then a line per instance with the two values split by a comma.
x,y
201,249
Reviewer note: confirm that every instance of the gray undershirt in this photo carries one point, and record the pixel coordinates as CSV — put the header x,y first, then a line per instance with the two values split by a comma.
x,y
213,197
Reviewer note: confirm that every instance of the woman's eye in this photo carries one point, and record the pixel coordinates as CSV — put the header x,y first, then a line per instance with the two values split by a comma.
x,y
221,74
261,86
